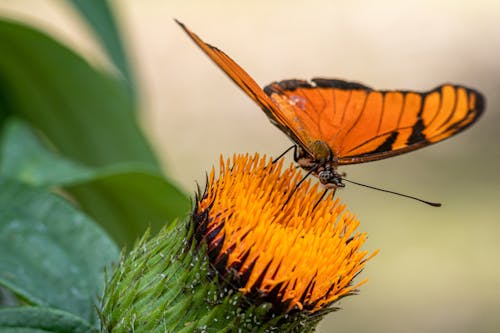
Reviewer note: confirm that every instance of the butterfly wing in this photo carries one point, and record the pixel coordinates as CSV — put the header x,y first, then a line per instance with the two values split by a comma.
x,y
357,123
283,119
360,124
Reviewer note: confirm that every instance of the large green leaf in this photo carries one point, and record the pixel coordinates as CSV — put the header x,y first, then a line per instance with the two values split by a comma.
x,y
124,198
131,201
50,253
100,18
3,111
23,157
87,114
41,320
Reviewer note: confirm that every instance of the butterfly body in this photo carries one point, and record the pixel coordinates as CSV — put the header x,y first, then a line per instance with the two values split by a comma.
x,y
321,164
335,122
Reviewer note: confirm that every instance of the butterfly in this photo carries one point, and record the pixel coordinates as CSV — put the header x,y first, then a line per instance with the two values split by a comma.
x,y
335,122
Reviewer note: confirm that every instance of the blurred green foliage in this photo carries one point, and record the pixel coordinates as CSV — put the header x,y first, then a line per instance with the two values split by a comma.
x,y
86,117
69,128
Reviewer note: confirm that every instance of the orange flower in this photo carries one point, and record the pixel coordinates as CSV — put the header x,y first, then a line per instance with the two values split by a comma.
x,y
296,255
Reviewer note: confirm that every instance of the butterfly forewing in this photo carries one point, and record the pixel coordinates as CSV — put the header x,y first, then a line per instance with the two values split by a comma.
x,y
360,124
244,81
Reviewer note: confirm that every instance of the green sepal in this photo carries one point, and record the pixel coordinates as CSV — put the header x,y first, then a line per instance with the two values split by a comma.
x,y
166,284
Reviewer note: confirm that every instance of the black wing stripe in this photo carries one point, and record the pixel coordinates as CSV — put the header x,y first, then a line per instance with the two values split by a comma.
x,y
440,106
393,134
454,108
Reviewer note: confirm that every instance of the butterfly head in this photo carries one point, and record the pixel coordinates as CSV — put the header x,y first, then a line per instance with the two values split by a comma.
x,y
329,177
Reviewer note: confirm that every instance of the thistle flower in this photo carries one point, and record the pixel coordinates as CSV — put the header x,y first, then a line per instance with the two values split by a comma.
x,y
258,254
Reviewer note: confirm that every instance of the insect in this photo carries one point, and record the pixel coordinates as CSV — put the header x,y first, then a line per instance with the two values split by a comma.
x,y
334,122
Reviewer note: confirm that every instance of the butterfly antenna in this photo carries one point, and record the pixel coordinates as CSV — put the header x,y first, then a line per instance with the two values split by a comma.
x,y
298,184
433,204
283,154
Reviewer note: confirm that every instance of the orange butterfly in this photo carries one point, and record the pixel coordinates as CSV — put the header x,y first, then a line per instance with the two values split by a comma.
x,y
335,122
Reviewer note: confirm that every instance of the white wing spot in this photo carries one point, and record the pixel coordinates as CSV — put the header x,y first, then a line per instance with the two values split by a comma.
x,y
297,101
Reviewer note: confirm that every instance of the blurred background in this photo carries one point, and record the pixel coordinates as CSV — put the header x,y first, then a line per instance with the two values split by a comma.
x,y
438,267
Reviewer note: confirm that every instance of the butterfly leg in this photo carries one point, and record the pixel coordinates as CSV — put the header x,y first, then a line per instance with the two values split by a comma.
x,y
321,197
334,190
298,184
294,147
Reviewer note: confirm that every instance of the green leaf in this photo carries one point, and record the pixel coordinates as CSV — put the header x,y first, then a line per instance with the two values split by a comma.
x,y
50,253
8,298
130,201
23,157
41,320
124,198
100,18
3,112
86,114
